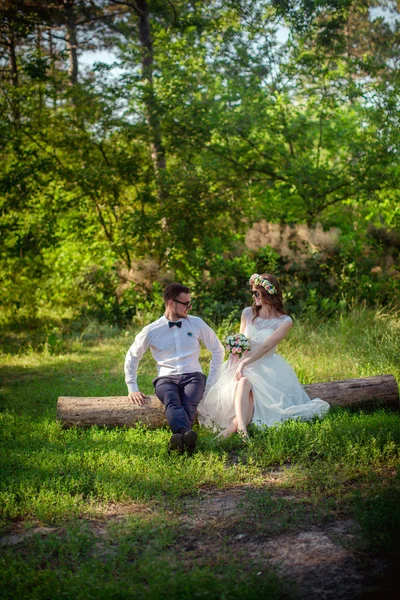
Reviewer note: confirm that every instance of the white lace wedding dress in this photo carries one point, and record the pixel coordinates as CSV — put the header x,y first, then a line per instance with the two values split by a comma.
x,y
278,394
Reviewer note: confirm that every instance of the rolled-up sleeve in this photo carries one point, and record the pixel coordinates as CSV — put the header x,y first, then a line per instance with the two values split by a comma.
x,y
133,357
212,343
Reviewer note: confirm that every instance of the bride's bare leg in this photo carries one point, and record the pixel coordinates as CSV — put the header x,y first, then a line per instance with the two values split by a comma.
x,y
250,412
247,416
242,405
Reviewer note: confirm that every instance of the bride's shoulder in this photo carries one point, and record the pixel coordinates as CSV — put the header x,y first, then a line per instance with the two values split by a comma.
x,y
285,319
247,313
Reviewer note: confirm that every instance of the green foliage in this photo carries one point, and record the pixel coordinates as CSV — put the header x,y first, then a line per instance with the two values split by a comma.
x,y
172,160
378,514
343,438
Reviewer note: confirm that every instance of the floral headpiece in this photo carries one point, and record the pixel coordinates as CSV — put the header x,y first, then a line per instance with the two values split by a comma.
x,y
269,287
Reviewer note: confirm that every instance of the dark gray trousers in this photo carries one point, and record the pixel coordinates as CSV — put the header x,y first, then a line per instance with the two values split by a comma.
x,y
180,395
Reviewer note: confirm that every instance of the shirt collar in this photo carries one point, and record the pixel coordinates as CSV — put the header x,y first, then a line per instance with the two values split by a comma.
x,y
166,321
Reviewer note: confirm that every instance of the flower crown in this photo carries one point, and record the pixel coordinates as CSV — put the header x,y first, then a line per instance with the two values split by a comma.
x,y
269,287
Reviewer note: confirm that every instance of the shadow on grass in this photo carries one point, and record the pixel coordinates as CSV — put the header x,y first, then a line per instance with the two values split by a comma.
x,y
141,559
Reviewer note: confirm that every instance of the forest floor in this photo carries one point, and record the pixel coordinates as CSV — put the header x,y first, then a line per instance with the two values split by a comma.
x,y
301,557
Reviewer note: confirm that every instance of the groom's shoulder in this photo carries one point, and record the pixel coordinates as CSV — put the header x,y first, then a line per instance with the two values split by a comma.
x,y
196,321
153,325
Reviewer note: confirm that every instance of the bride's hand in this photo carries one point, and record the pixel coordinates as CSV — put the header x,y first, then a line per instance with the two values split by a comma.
x,y
238,372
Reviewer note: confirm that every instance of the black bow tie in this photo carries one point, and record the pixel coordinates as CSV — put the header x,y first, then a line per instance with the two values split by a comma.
x,y
177,323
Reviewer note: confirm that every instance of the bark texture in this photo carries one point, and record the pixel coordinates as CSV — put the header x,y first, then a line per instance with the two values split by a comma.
x,y
118,411
72,41
381,390
110,411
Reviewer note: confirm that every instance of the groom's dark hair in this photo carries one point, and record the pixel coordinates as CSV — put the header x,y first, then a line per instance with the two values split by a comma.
x,y
173,290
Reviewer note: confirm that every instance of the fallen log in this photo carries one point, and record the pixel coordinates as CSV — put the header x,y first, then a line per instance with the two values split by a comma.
x,y
380,390
109,411
118,411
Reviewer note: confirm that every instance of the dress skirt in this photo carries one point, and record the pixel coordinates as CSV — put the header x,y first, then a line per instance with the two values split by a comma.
x,y
277,393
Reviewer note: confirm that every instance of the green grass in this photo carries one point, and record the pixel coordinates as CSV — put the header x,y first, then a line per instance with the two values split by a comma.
x,y
346,464
139,559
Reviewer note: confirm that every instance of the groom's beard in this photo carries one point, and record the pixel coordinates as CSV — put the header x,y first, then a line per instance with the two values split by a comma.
x,y
177,316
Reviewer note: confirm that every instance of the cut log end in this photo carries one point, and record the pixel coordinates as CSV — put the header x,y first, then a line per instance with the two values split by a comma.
x,y
118,411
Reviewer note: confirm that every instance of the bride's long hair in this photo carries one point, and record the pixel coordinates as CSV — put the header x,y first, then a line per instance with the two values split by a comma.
x,y
273,300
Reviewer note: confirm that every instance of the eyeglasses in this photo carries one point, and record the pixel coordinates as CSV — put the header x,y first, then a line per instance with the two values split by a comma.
x,y
255,293
187,304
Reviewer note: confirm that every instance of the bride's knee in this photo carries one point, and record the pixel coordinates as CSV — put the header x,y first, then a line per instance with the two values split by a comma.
x,y
245,383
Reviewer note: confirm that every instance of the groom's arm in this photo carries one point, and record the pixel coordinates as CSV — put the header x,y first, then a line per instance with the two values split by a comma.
x,y
132,359
212,343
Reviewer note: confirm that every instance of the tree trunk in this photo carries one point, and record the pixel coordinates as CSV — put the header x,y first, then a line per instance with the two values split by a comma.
x,y
149,98
72,43
112,411
118,411
53,69
14,80
381,390
40,84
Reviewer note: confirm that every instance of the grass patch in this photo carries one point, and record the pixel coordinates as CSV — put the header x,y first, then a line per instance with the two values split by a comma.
x,y
139,558
346,464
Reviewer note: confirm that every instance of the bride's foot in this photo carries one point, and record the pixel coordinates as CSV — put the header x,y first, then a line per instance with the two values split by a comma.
x,y
243,434
224,434
232,428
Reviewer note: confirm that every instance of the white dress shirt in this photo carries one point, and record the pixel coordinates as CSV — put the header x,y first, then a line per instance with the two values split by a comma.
x,y
175,349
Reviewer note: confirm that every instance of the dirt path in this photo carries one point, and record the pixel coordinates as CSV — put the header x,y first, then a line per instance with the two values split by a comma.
x,y
314,561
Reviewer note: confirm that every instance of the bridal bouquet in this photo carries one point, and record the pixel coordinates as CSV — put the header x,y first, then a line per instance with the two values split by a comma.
x,y
237,344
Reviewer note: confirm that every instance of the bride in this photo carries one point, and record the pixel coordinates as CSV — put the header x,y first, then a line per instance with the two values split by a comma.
x,y
261,387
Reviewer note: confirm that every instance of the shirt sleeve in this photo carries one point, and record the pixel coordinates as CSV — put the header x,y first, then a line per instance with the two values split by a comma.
x,y
212,343
133,357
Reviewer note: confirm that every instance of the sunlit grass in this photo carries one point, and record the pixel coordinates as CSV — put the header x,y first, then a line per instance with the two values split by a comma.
x,y
359,344
55,477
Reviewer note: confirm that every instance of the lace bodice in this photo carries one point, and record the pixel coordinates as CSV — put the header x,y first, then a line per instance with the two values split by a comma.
x,y
260,330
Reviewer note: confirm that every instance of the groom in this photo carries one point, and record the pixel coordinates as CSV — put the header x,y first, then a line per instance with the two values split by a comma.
x,y
174,343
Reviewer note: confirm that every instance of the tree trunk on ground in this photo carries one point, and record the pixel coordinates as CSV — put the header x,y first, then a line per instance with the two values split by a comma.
x,y
380,390
118,411
112,411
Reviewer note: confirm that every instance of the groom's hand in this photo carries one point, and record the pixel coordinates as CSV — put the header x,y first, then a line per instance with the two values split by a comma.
x,y
137,398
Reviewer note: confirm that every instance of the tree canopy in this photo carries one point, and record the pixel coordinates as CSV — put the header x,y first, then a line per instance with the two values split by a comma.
x,y
214,116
